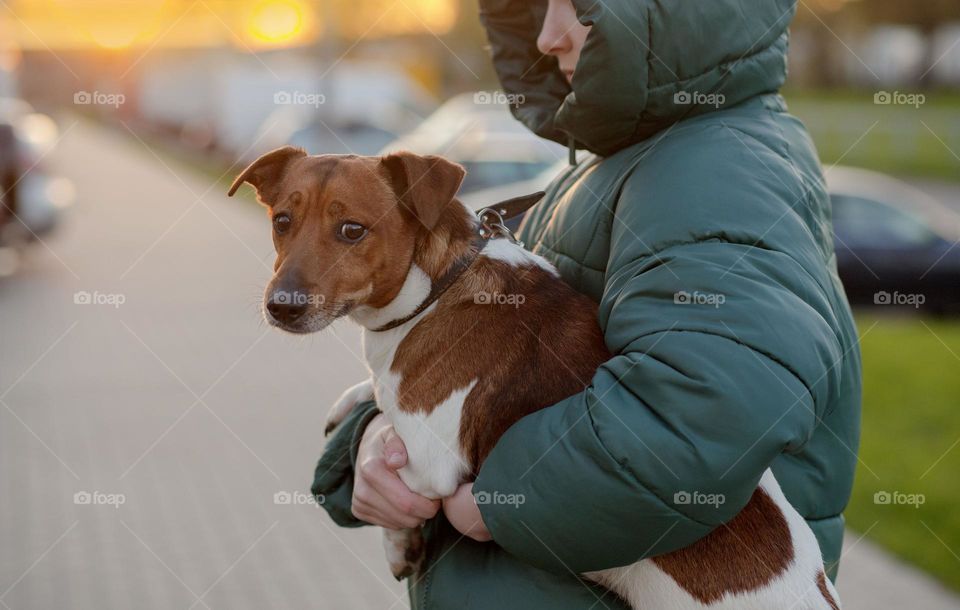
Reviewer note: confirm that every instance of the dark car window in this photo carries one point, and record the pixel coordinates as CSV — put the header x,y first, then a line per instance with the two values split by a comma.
x,y
858,221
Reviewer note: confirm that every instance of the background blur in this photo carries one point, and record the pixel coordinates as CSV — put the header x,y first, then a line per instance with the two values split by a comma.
x,y
157,441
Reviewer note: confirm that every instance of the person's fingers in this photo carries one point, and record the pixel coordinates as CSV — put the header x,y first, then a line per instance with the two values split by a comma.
x,y
369,506
388,484
382,490
388,518
394,451
371,515
379,493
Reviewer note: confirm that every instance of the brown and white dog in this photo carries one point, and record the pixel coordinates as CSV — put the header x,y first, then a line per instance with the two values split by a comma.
x,y
465,333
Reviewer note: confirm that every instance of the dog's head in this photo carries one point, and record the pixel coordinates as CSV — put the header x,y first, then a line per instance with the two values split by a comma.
x,y
345,228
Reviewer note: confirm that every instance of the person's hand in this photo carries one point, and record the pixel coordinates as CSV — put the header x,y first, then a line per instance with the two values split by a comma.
x,y
463,513
379,496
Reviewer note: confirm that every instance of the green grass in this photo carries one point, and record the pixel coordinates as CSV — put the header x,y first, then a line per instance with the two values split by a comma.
x,y
848,127
911,425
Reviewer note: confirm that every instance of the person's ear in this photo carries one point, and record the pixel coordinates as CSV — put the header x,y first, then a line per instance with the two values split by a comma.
x,y
264,173
424,185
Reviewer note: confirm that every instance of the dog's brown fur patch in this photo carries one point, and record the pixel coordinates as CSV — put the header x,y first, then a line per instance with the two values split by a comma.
x,y
543,349
743,555
822,585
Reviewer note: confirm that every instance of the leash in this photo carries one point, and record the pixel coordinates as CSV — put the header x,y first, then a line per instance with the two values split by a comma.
x,y
491,226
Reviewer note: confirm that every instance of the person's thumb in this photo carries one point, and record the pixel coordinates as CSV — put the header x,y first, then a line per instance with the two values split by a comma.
x,y
394,452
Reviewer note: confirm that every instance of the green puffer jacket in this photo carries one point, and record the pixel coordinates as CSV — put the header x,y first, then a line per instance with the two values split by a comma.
x,y
702,226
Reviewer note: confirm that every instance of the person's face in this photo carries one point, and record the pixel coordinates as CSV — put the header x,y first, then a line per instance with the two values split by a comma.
x,y
562,35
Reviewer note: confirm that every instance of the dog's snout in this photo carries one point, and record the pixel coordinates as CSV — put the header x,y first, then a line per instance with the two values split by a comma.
x,y
284,311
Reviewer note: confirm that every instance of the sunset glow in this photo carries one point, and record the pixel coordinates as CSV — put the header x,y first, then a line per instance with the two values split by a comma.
x,y
277,22
119,24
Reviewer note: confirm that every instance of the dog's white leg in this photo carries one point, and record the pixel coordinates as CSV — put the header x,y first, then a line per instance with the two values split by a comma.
x,y
405,551
361,392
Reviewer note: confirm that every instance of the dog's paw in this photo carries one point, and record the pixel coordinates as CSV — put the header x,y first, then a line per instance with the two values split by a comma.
x,y
406,552
361,392
402,570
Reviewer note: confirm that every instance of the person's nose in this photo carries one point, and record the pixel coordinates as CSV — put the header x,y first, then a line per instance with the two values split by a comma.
x,y
554,39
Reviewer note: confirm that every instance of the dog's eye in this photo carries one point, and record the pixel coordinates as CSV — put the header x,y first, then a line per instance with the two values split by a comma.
x,y
352,232
281,223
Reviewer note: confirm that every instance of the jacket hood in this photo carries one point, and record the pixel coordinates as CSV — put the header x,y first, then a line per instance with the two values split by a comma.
x,y
645,65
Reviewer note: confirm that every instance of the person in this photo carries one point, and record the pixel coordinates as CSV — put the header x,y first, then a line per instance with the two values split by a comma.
x,y
700,222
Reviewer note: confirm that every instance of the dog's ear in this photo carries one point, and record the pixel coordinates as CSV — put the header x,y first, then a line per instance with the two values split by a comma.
x,y
424,185
267,171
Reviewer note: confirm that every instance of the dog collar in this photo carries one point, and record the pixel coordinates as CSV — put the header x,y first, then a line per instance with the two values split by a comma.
x,y
491,226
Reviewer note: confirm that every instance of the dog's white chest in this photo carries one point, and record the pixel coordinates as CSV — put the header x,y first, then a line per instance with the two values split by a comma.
x,y
435,464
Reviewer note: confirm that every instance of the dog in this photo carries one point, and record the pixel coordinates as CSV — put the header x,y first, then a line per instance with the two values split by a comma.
x,y
465,332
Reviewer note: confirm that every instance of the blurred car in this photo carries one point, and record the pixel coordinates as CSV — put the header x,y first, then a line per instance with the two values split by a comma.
x,y
482,198
478,131
364,106
32,197
895,245
318,136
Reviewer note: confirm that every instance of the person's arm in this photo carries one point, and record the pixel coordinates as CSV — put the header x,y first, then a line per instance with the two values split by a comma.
x,y
719,368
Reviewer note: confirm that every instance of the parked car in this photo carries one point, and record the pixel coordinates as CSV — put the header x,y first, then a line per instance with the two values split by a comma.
x,y
477,131
358,109
31,198
482,198
319,136
895,245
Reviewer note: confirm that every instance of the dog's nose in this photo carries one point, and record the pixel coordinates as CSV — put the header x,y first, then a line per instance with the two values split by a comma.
x,y
284,311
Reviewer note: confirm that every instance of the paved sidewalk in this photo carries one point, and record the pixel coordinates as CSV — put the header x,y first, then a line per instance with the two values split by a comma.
x,y
181,400
871,578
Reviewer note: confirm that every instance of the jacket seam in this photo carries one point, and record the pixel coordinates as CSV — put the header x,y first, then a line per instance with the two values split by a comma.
x,y
827,518
720,68
804,181
634,475
773,359
808,190
541,247
714,334
637,479
717,239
